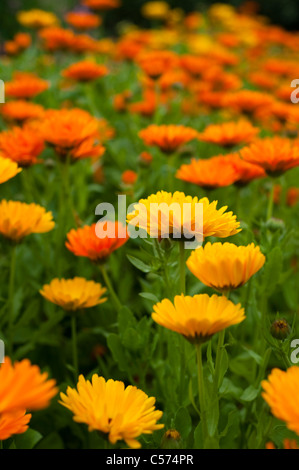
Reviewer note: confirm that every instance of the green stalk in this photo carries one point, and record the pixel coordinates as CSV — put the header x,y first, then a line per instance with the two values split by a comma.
x,y
182,261
10,299
109,286
270,201
75,346
201,391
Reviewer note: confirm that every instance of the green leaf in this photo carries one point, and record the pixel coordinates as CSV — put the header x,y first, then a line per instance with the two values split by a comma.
x,y
28,440
117,350
183,423
145,268
249,394
149,296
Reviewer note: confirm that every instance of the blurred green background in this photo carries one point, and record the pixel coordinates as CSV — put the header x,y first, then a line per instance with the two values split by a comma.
x,y
283,12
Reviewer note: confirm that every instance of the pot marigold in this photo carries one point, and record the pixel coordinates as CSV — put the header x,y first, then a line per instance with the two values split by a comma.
x,y
124,413
83,20
281,394
74,294
24,386
18,219
37,18
229,134
102,4
197,318
164,219
8,169
21,110
25,86
85,242
13,422
22,145
169,138
275,155
225,266
85,71
155,63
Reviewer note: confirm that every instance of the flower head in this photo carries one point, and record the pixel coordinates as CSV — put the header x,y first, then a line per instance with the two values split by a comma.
x,y
21,110
229,134
37,18
86,242
74,294
225,266
155,10
13,422
169,138
18,219
197,318
83,20
124,413
155,63
22,145
281,394
8,169
102,4
25,86
85,71
24,386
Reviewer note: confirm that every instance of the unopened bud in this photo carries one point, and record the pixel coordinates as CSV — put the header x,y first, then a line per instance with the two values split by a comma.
x,y
171,440
280,329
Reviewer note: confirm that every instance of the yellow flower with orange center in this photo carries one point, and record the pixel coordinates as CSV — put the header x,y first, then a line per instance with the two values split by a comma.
x,y
74,294
169,138
18,219
124,413
281,394
174,215
24,386
197,318
85,71
8,169
229,134
225,266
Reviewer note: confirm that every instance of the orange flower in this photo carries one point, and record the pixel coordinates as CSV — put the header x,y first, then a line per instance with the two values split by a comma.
x,y
169,138
85,71
11,48
23,40
56,38
194,65
68,129
275,155
22,145
292,196
120,100
155,63
25,86
83,20
247,101
129,177
211,173
13,422
83,43
102,4
85,242
147,107
245,171
21,111
23,386
229,134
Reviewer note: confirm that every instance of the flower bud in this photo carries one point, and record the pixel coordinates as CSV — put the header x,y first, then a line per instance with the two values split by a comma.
x,y
171,440
280,329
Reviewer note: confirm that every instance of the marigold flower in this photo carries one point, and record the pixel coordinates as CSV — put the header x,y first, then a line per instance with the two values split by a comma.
x,y
24,386
155,10
23,40
25,86
281,394
22,145
74,294
83,20
275,155
292,196
225,266
169,138
247,101
13,422
197,318
37,18
85,242
229,134
21,110
155,63
163,219
129,177
8,169
124,413
18,219
102,4
56,38
245,171
85,71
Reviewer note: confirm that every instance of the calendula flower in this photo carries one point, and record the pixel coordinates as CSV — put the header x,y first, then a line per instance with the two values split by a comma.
x,y
281,394
23,145
37,18
23,40
13,422
55,38
275,155
225,266
229,134
85,71
25,86
245,171
155,10
129,177
91,241
208,173
8,169
247,101
169,138
197,318
24,386
21,110
155,63
18,219
287,444
83,20
123,413
74,294
102,4
167,217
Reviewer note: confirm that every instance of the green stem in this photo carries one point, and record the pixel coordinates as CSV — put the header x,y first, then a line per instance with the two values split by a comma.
x,y
219,354
75,346
270,201
10,299
182,261
109,286
201,391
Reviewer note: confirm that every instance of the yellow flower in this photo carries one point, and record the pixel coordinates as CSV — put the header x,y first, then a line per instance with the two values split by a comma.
x,y
74,294
197,318
176,215
37,18
18,219
155,10
8,169
281,394
225,266
109,407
